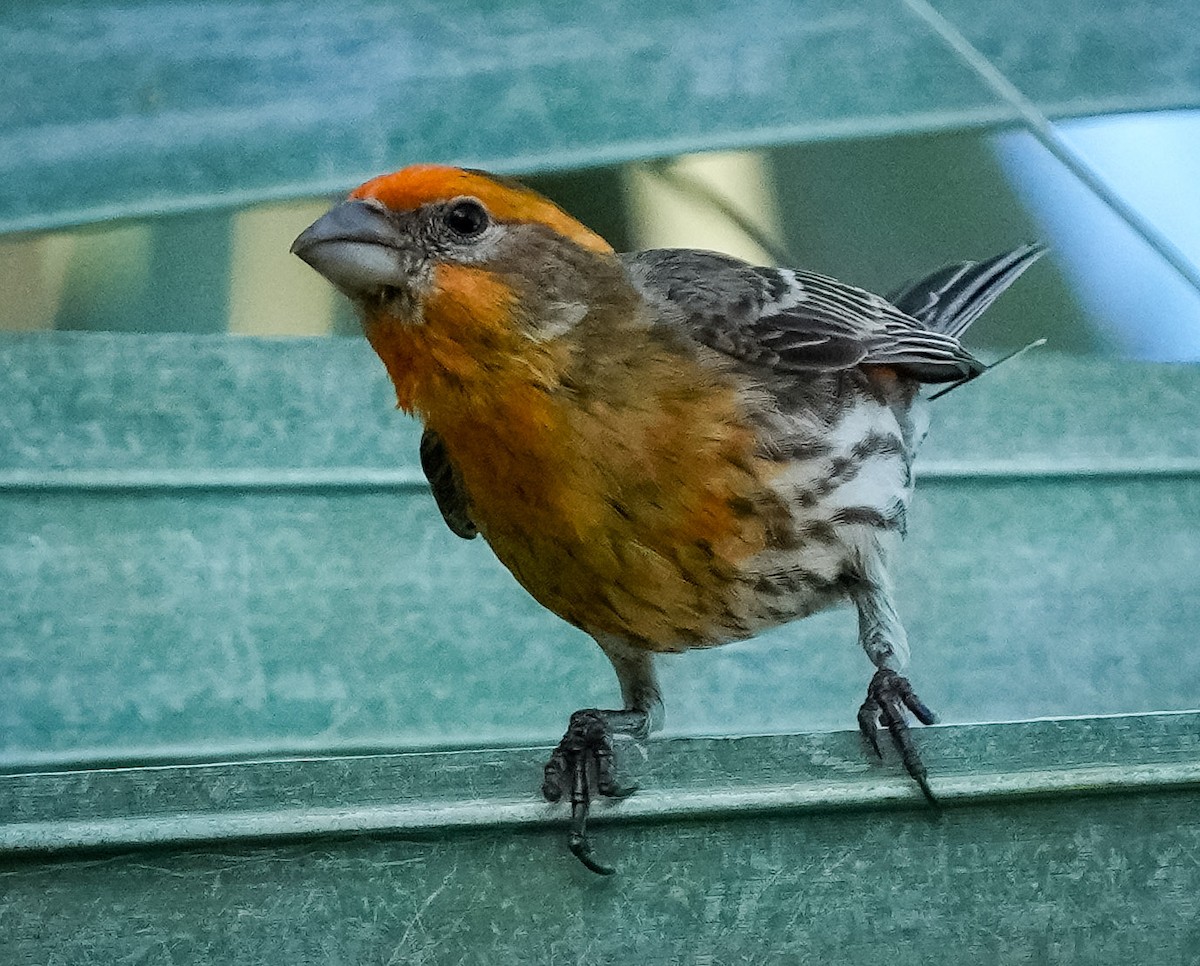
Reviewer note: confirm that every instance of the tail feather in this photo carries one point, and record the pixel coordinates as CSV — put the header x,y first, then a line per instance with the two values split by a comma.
x,y
950,299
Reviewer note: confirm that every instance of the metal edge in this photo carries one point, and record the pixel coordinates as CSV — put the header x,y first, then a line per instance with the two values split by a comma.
x,y
1172,740
362,478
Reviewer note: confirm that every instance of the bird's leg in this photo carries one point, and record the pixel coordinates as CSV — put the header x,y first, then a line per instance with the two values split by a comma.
x,y
889,693
583,765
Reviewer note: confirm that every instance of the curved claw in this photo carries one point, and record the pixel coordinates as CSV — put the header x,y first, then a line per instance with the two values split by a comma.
x,y
617,791
553,777
868,724
582,849
923,783
904,691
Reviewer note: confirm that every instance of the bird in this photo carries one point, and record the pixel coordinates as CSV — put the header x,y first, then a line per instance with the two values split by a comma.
x,y
669,449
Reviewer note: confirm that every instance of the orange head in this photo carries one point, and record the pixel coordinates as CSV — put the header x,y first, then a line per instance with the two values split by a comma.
x,y
459,274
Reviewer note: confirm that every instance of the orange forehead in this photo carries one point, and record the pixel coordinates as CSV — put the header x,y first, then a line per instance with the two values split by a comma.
x,y
422,184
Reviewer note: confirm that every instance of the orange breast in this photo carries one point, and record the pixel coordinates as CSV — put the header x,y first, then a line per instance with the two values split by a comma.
x,y
617,480
628,520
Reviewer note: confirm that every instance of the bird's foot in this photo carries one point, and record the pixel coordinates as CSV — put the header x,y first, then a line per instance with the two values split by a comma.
x,y
582,766
888,695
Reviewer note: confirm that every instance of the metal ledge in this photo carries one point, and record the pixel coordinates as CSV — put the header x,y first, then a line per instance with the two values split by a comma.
x,y
223,802
357,479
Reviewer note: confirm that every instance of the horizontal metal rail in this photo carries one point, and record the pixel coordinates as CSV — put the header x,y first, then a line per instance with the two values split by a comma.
x,y
360,478
269,799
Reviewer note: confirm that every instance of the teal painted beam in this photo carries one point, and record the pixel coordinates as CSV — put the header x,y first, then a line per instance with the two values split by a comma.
x,y
200,624
177,805
118,109
1059,840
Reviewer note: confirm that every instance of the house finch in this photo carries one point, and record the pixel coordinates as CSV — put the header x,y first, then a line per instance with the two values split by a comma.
x,y
669,449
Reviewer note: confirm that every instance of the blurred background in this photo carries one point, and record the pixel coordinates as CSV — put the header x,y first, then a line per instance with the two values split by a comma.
x,y
874,211
219,542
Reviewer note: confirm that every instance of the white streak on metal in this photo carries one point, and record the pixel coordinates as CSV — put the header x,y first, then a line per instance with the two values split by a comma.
x,y
664,804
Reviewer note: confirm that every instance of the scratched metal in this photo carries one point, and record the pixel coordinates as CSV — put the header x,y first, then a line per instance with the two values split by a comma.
x,y
173,804
146,624
1109,881
1066,841
216,546
134,108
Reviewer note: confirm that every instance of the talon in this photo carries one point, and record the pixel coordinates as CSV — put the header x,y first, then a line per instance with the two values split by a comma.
x,y
582,849
923,784
553,775
868,724
888,695
904,690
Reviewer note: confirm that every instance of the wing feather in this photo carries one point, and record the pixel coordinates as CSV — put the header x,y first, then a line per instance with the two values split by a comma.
x,y
789,320
446,485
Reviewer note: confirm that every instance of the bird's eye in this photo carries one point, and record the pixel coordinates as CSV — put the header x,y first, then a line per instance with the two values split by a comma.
x,y
466,218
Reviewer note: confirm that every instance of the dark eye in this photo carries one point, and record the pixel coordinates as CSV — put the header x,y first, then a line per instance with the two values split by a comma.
x,y
466,218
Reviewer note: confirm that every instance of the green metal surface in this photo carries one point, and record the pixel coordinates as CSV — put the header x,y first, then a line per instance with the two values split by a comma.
x,y
83,408
1060,841
199,623
216,553
180,804
213,546
1115,52
137,108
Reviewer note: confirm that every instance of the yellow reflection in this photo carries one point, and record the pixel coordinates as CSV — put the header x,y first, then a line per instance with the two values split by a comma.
x,y
271,292
664,215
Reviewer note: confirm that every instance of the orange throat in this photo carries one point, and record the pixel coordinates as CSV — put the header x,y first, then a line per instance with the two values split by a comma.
x,y
479,385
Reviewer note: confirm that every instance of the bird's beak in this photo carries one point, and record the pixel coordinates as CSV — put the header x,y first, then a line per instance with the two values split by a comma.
x,y
357,246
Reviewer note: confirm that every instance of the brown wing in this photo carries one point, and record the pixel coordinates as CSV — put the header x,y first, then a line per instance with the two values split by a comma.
x,y
446,485
792,321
